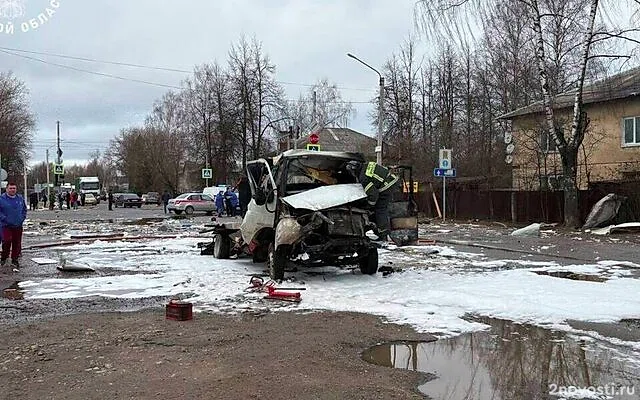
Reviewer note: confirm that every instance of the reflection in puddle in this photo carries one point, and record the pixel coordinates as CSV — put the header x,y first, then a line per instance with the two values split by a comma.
x,y
13,292
508,362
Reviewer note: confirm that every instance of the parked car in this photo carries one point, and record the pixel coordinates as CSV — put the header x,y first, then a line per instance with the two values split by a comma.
x,y
128,200
90,199
192,202
151,198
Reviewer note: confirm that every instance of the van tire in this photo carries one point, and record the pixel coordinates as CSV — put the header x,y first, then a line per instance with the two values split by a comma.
x,y
278,261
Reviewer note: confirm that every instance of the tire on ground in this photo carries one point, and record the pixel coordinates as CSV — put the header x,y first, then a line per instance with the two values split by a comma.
x,y
221,246
188,210
369,262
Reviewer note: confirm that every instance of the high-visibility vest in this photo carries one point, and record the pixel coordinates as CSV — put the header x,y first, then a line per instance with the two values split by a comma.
x,y
377,176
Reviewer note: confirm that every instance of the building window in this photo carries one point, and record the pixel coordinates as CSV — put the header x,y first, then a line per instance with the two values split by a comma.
x,y
547,144
632,131
551,182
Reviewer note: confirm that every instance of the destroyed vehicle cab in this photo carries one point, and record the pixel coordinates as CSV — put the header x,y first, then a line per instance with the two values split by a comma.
x,y
308,210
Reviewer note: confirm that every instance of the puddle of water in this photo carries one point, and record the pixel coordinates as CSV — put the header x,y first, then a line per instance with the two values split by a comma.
x,y
13,292
510,362
572,275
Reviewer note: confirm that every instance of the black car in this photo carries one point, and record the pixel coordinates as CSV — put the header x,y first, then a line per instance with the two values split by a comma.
x,y
128,200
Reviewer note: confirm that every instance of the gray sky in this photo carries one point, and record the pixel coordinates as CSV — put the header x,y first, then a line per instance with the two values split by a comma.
x,y
306,40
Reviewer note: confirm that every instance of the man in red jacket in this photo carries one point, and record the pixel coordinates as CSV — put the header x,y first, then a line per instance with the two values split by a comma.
x,y
13,212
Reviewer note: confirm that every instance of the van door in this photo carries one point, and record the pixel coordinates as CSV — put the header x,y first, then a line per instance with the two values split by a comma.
x,y
403,210
261,209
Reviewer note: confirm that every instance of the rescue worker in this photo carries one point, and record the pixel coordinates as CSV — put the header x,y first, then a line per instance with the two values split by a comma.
x,y
378,183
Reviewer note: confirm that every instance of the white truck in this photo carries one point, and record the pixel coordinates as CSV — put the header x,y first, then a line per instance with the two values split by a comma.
x,y
88,185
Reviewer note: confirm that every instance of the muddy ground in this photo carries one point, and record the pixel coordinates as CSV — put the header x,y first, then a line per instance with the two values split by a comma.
x,y
141,355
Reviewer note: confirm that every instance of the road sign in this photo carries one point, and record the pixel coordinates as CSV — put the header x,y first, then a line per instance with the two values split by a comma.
x,y
207,173
445,158
314,138
3,174
58,169
313,147
447,173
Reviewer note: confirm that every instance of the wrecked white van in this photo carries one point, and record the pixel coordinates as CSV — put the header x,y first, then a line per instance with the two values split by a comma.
x,y
306,210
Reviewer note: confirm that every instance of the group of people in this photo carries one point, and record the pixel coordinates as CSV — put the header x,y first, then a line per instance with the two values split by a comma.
x,y
234,200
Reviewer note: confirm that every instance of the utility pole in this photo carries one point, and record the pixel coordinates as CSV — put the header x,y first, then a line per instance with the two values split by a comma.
x,y
207,167
58,135
380,124
59,152
48,181
315,104
24,172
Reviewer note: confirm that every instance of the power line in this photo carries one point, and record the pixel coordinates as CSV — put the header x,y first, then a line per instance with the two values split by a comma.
x,y
151,67
91,72
124,64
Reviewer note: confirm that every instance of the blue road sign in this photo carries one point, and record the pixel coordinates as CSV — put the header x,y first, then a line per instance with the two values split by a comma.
x,y
449,173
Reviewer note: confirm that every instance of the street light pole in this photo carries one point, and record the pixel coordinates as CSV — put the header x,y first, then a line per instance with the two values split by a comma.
x,y
380,108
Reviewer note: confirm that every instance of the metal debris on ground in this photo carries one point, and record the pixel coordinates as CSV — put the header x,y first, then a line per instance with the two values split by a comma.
x,y
257,284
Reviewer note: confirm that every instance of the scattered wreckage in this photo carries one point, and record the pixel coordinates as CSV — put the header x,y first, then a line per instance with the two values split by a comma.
x,y
307,209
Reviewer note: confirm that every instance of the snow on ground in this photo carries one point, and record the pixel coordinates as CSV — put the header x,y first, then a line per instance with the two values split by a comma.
x,y
432,292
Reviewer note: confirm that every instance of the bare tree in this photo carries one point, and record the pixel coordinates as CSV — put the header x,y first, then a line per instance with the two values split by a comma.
x,y
17,123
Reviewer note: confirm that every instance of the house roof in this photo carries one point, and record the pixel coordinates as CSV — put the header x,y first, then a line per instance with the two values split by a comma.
x,y
342,139
620,86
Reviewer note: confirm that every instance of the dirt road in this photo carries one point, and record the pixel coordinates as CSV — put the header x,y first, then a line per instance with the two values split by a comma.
x,y
141,355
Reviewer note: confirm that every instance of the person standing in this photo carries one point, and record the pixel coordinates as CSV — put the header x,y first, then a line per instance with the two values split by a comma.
x,y
33,201
220,203
44,200
74,199
244,194
110,200
13,212
378,183
165,200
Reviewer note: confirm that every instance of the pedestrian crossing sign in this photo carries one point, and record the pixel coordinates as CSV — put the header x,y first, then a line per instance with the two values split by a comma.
x,y
313,147
58,169
207,173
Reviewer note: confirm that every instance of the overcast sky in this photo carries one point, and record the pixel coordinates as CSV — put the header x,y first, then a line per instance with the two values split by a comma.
x,y
306,39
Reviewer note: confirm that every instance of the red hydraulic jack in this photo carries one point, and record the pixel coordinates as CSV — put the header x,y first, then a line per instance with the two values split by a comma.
x,y
274,294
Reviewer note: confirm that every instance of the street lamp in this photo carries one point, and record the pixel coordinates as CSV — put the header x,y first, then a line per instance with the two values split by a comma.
x,y
380,108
